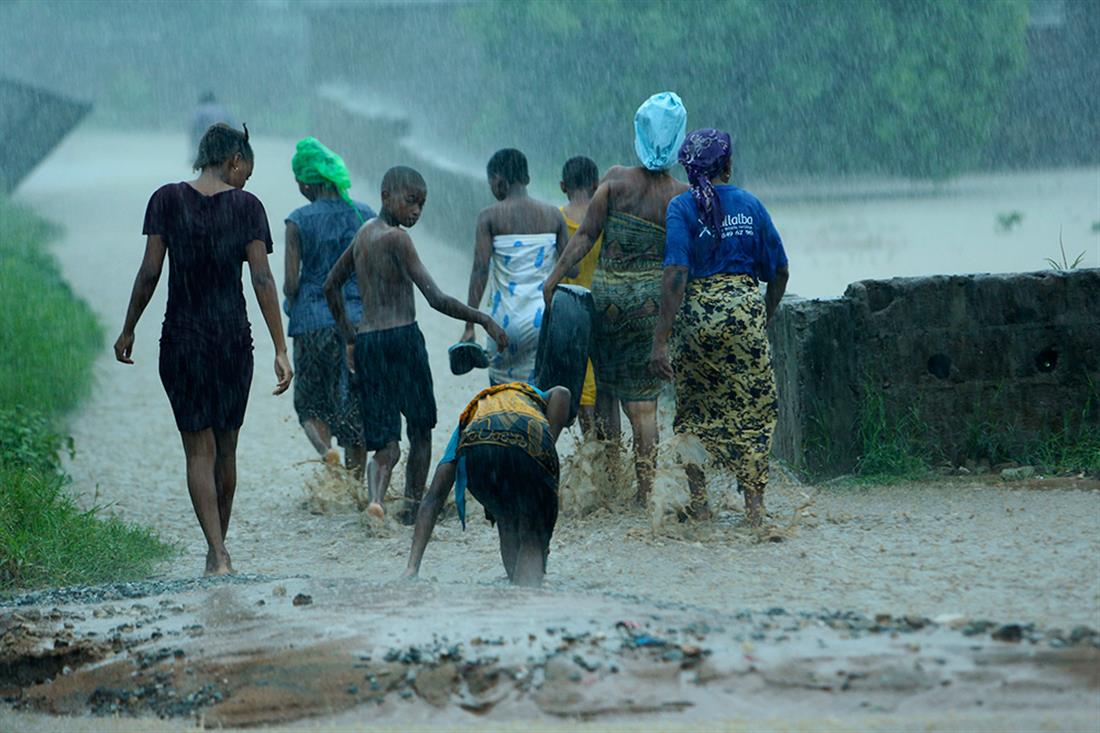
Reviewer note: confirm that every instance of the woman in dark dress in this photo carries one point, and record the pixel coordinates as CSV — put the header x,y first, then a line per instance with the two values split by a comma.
x,y
208,227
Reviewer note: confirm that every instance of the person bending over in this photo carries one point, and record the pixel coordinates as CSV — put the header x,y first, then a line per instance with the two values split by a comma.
x,y
504,450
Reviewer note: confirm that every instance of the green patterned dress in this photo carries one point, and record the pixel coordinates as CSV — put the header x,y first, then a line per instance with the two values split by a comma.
x,y
626,289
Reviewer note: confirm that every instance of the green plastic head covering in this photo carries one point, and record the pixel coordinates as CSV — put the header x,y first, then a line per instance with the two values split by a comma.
x,y
314,163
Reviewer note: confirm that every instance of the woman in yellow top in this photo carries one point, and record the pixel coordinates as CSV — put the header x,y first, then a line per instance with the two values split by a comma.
x,y
579,179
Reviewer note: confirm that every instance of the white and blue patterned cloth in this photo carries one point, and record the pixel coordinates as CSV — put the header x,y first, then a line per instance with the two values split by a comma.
x,y
520,265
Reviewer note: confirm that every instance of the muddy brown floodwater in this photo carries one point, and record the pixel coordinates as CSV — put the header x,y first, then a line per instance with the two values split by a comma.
x,y
942,606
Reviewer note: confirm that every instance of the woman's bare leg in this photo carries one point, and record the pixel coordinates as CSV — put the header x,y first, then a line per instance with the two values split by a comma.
x,y
319,434
200,451
509,546
608,426
754,506
643,422
530,561
697,485
225,474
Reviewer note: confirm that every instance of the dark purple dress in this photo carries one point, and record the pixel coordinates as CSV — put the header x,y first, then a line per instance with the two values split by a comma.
x,y
206,340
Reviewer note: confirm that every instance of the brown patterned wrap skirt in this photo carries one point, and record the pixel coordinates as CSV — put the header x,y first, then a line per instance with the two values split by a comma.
x,y
725,386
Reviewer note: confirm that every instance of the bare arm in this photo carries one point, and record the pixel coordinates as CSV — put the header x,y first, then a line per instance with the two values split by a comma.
x,y
428,515
581,242
145,284
293,261
557,410
775,290
436,298
334,291
263,283
673,283
479,274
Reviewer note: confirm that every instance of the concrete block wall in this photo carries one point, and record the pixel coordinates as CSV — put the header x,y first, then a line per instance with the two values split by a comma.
x,y
974,358
372,142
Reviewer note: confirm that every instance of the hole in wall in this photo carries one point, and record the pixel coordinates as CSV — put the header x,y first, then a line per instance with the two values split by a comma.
x,y
1046,360
939,365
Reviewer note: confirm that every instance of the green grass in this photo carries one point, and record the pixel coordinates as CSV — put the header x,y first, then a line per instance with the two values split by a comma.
x,y
890,450
47,540
48,337
48,342
896,449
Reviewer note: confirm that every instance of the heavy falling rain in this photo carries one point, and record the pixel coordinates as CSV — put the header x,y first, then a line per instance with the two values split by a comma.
x,y
555,364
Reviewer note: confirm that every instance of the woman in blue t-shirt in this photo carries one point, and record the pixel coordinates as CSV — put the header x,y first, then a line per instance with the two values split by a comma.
x,y
720,244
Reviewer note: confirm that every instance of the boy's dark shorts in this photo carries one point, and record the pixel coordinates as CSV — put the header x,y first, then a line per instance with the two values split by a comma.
x,y
393,379
513,487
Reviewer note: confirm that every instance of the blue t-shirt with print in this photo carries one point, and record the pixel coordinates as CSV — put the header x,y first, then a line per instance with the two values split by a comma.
x,y
326,228
749,243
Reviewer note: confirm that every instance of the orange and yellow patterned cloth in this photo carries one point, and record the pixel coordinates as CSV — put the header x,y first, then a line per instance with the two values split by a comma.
x,y
511,415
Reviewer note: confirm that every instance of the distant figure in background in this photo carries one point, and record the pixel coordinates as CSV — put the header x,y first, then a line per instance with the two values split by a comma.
x,y
316,235
209,112
504,448
579,179
208,227
721,243
391,360
629,210
517,241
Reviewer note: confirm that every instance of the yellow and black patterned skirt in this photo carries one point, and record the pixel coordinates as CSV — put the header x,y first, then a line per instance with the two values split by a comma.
x,y
725,387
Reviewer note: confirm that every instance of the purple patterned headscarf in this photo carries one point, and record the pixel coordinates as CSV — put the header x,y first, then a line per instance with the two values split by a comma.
x,y
704,155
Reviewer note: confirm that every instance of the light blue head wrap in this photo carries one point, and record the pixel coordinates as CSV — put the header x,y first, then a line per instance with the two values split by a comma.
x,y
659,128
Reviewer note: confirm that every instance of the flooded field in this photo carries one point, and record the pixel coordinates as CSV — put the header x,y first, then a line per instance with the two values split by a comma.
x,y
961,559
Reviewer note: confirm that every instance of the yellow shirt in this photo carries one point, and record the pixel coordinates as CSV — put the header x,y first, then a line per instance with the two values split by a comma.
x,y
587,265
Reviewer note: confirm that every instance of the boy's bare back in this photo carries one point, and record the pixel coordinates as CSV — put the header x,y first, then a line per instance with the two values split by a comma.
x,y
385,265
380,252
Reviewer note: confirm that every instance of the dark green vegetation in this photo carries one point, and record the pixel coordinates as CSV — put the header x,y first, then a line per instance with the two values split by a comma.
x,y
834,86
48,338
48,341
901,447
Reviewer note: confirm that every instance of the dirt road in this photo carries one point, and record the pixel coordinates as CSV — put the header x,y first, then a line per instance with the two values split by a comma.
x,y
952,551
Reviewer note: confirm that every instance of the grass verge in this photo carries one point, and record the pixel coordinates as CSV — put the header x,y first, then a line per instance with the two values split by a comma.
x,y
48,341
901,448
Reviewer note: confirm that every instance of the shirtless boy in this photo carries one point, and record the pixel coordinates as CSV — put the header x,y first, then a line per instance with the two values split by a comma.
x,y
517,241
504,449
387,347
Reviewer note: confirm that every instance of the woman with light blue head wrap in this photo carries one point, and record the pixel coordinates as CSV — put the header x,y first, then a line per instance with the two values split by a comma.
x,y
660,125
628,209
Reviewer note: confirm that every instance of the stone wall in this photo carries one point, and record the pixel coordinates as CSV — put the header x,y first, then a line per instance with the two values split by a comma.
x,y
979,362
372,137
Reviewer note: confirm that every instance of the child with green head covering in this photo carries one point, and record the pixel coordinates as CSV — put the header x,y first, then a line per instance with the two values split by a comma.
x,y
314,164
316,235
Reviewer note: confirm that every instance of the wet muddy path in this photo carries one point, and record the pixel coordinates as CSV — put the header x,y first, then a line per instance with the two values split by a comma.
x,y
959,552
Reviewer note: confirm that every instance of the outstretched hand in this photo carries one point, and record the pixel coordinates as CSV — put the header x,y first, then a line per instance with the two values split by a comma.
x,y
548,295
659,362
496,333
124,347
283,372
